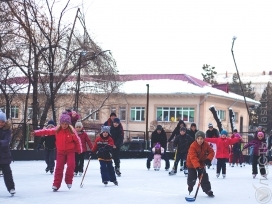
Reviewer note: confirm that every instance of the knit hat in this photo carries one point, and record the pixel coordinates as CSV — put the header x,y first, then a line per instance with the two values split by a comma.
x,y
159,127
260,133
78,124
65,118
224,132
157,146
182,129
116,120
237,135
210,125
105,129
51,123
3,116
200,134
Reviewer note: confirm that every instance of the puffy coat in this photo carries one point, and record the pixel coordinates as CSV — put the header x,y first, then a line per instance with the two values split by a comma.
x,y
159,138
117,134
197,154
222,145
258,145
103,147
84,141
49,142
183,143
5,138
110,123
65,141
212,133
176,130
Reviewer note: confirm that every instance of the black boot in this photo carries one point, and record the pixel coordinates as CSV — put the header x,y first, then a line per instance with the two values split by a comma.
x,y
209,193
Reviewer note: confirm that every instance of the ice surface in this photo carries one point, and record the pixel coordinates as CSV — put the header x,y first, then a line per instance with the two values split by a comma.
x,y
137,185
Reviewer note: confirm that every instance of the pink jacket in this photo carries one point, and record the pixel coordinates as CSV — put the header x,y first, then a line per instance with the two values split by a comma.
x,y
84,141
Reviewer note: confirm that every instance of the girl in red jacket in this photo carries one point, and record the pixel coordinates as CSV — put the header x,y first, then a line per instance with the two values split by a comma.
x,y
67,143
222,153
85,140
103,146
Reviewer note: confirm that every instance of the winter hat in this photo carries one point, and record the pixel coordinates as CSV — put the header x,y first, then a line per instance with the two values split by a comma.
x,y
157,146
200,134
78,124
159,127
182,129
260,133
116,120
237,135
51,123
3,116
224,132
65,118
210,125
105,129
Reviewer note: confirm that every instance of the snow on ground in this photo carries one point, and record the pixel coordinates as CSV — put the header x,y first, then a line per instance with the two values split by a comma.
x,y
137,185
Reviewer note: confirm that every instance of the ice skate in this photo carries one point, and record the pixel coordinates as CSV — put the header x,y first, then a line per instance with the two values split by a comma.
x,y
115,183
54,188
217,175
75,174
46,170
117,171
210,194
264,175
190,189
186,172
105,182
80,173
254,175
181,168
173,172
224,176
69,186
51,171
12,192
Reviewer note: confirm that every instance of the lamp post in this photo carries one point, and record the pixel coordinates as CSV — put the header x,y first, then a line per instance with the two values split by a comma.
x,y
146,117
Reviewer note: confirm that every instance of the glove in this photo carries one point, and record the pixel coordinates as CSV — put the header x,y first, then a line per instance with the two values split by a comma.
x,y
199,171
101,149
208,163
90,154
38,147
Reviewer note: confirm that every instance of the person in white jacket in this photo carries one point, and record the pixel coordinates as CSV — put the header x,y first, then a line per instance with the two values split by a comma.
x,y
158,151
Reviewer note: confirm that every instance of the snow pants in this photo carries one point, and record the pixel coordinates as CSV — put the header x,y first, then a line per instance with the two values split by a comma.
x,y
182,157
49,157
116,156
164,156
261,161
237,156
62,159
221,164
192,177
79,159
8,179
107,171
157,161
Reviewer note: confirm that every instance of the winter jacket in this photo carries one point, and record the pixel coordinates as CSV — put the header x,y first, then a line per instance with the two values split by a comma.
x,y
5,138
183,142
256,133
103,147
197,154
158,138
110,123
237,146
258,145
176,130
159,151
84,141
65,141
192,133
212,134
49,142
222,145
117,134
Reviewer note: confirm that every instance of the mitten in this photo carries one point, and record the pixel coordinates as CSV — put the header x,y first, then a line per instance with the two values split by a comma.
x,y
208,162
199,171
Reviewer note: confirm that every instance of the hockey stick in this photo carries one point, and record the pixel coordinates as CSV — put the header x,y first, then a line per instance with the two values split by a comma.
x,y
188,199
81,184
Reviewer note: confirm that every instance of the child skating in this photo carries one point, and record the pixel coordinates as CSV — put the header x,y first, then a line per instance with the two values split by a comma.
x,y
67,143
103,146
158,151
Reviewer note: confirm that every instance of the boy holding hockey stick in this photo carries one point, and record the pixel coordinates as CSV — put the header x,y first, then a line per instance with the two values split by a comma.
x,y
199,154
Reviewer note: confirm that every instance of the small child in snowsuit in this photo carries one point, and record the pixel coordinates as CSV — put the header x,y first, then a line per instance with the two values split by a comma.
x,y
5,155
259,153
85,140
158,151
103,146
199,154
49,143
222,153
67,143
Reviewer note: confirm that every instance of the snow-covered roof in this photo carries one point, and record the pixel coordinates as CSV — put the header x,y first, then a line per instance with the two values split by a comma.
x,y
168,86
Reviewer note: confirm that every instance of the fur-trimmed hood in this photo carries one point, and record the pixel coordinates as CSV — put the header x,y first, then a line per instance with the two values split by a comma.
x,y
7,125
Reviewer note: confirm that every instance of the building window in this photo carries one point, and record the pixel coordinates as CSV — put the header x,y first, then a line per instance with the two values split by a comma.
x,y
221,114
94,116
173,114
113,110
137,113
29,113
14,112
122,113
235,117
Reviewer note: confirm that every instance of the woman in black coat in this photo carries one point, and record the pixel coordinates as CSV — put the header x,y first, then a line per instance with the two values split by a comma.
x,y
5,154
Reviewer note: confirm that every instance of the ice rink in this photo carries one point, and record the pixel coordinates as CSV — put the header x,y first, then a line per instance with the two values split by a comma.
x,y
137,185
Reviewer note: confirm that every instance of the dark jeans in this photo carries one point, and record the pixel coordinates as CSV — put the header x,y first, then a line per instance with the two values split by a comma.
x,y
49,157
192,177
116,156
79,158
261,161
164,156
8,179
107,171
182,157
221,164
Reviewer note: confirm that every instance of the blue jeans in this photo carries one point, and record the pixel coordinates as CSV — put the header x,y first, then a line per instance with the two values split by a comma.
x,y
49,157
107,171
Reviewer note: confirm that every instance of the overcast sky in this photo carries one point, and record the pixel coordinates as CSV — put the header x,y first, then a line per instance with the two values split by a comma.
x,y
177,36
